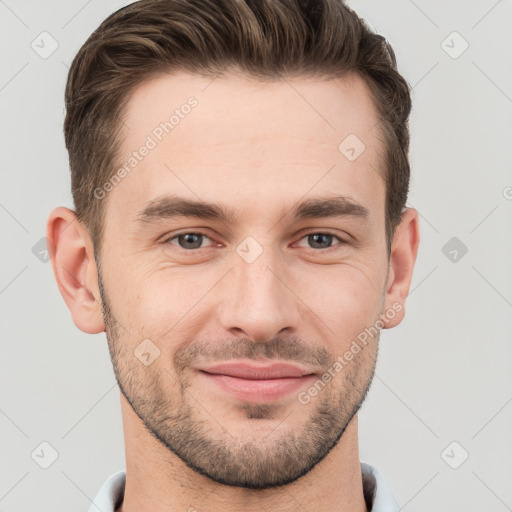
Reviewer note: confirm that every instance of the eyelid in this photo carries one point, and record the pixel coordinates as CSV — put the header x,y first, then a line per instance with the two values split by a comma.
x,y
342,241
168,239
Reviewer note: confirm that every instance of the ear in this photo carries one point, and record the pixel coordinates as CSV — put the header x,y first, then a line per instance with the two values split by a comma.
x,y
72,256
401,264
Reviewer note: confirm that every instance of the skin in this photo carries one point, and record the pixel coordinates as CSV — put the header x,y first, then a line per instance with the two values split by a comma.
x,y
258,148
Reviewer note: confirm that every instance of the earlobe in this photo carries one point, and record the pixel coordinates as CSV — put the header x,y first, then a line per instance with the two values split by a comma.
x,y
401,265
75,269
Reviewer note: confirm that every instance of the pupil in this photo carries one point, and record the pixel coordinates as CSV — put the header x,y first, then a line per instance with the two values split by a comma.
x,y
317,239
189,239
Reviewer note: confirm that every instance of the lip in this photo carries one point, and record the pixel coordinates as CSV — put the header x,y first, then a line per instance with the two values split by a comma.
x,y
257,383
257,372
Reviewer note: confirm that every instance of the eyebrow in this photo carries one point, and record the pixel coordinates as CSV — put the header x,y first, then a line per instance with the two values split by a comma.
x,y
169,206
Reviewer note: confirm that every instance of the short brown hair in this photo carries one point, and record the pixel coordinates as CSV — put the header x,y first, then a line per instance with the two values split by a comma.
x,y
262,38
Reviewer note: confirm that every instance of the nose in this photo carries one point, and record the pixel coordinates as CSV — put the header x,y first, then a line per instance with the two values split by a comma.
x,y
258,299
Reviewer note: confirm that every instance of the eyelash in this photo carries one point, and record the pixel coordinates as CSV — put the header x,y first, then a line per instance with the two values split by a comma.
x,y
341,240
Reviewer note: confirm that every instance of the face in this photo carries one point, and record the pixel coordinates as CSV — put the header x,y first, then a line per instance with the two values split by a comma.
x,y
243,253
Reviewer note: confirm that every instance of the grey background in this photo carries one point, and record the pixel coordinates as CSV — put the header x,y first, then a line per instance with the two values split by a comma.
x,y
443,374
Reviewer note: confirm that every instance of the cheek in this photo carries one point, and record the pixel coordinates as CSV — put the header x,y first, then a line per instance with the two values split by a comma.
x,y
158,301
346,297
165,301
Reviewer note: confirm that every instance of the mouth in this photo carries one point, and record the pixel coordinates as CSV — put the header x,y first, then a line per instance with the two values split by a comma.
x,y
257,383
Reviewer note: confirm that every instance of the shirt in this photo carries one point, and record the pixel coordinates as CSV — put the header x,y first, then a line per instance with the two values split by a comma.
x,y
377,492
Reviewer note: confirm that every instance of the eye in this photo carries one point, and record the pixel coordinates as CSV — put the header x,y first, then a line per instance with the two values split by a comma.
x,y
194,240
321,240
188,241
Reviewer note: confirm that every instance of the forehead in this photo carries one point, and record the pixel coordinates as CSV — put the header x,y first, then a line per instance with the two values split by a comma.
x,y
318,109
232,136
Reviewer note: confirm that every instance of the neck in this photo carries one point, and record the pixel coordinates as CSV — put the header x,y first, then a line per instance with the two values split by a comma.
x,y
157,480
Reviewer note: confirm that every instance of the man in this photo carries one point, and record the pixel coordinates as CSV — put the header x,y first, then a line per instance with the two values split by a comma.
x,y
240,172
